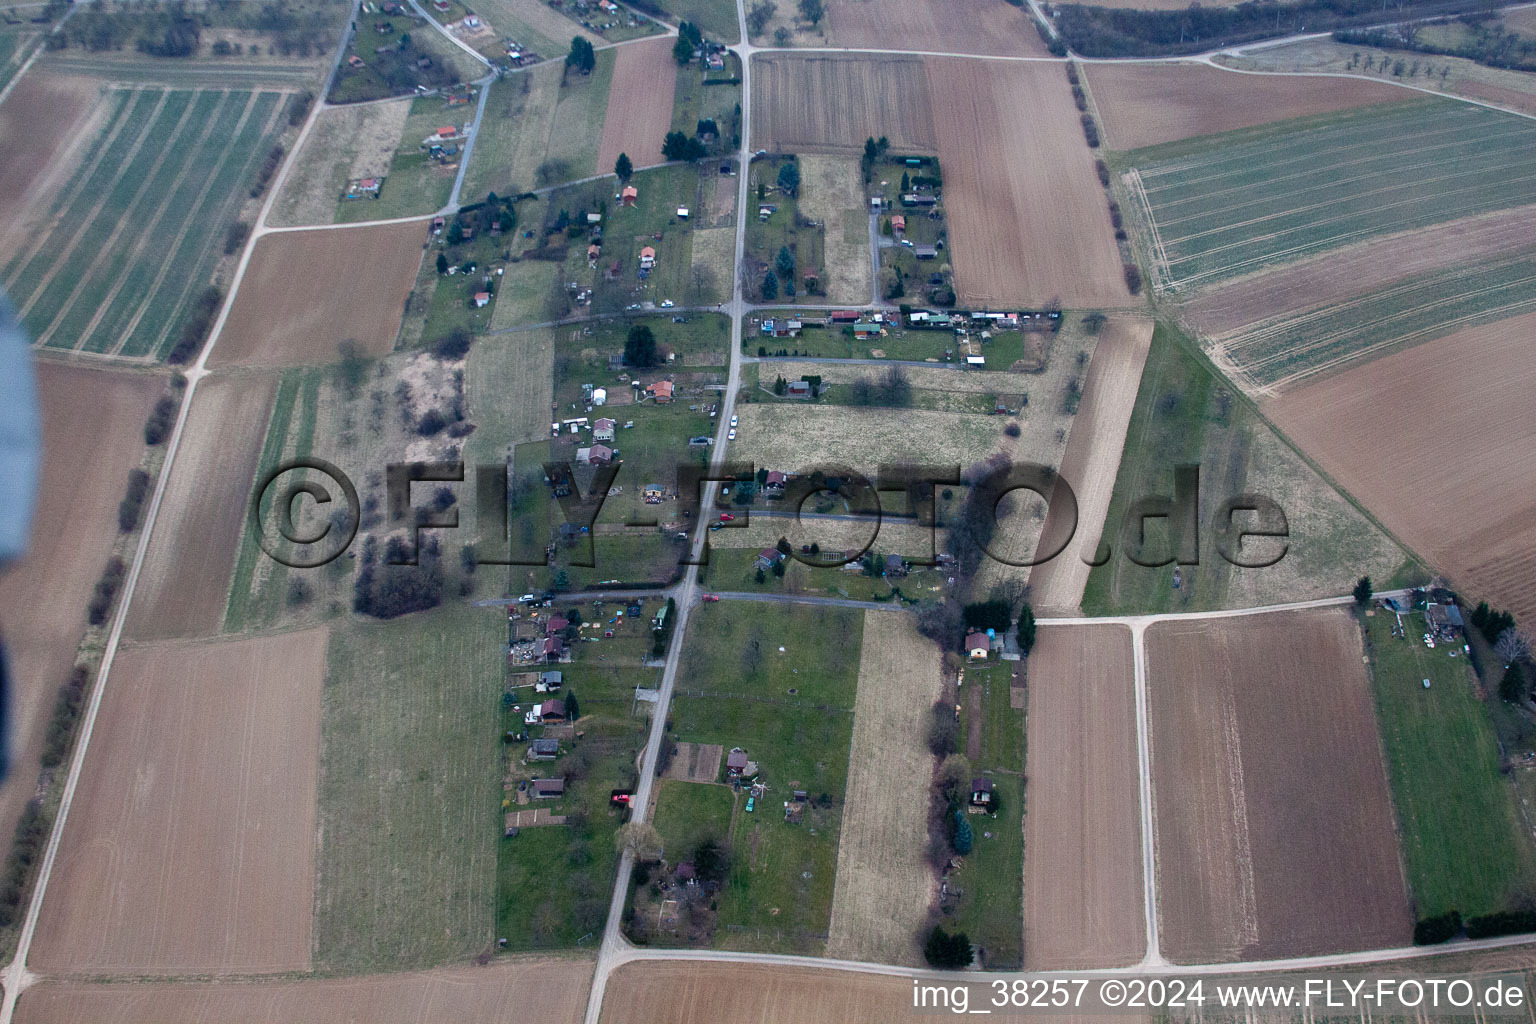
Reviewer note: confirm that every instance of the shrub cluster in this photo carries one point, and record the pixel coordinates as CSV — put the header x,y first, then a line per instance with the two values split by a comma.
x,y
298,107
391,590
268,168
235,237
1096,31
1433,930
132,505
66,711
1491,623
1505,922
195,331
945,950
158,427
26,847
106,591
1091,131
1133,278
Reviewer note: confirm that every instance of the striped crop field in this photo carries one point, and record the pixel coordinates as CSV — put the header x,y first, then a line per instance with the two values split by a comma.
x,y
1231,204
1414,309
133,236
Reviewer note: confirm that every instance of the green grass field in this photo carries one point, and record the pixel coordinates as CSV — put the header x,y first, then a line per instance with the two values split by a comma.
x,y
361,84
409,790
1463,843
1238,202
628,229
693,100
141,223
717,18
415,184
688,813
992,878
1184,415
782,230
553,881
541,130
1417,309
733,569
792,711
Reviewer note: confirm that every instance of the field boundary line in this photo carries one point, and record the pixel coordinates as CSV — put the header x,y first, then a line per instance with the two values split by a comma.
x,y
16,978
1152,954
1162,274
634,954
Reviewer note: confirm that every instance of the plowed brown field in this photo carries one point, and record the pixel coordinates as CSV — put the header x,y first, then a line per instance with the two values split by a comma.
x,y
191,846
987,27
1436,441
1275,833
1082,833
505,992
307,291
639,103
709,993
1146,104
93,434
808,102
1027,218
202,520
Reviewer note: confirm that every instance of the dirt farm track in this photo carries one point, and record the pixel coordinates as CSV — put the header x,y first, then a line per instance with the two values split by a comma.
x,y
200,858
1275,834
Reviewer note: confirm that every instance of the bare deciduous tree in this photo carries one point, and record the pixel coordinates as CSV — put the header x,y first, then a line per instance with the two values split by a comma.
x,y
1512,645
639,839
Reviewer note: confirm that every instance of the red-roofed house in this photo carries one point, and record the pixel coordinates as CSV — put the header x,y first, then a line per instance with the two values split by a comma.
x,y
647,258
629,195
482,299
661,391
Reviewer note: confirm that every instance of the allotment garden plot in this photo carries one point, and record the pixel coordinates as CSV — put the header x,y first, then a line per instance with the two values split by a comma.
x,y
775,684
1245,201
122,254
